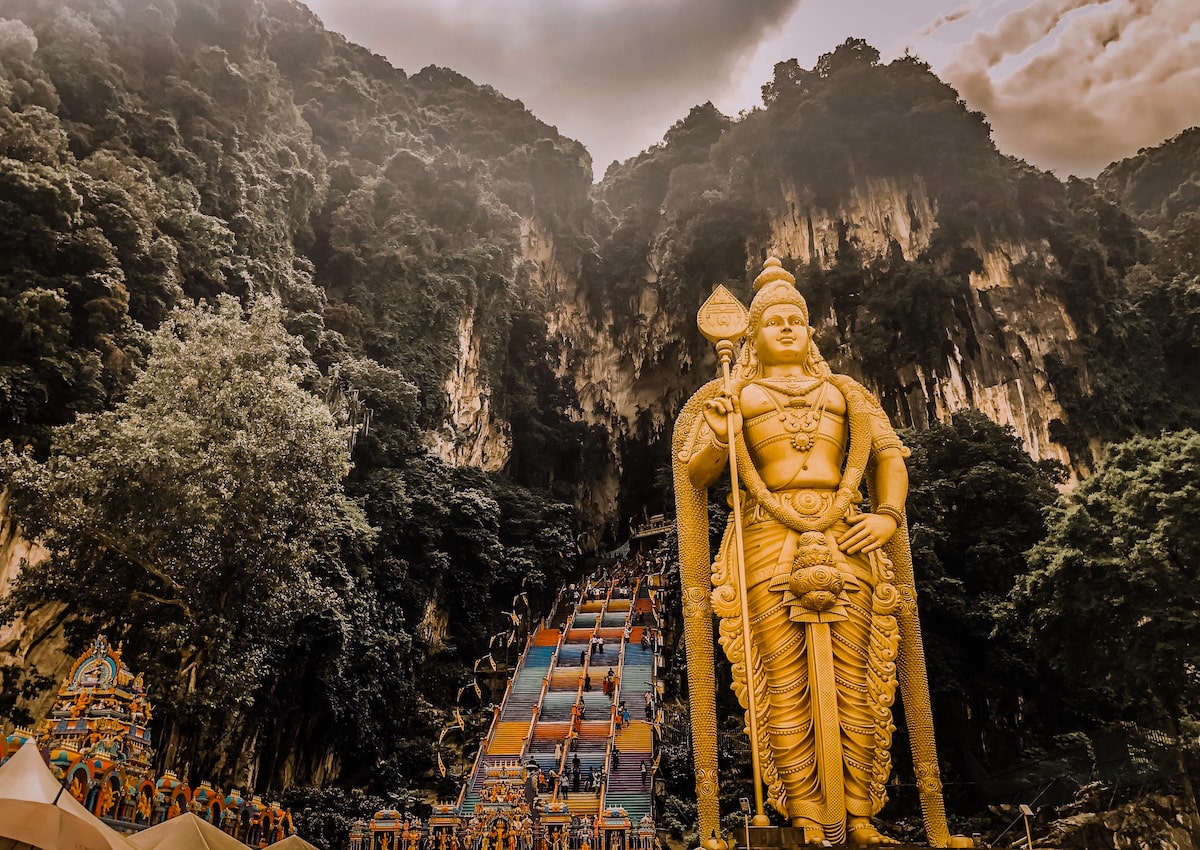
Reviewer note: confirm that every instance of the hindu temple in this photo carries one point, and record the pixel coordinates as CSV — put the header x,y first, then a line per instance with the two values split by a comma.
x,y
97,742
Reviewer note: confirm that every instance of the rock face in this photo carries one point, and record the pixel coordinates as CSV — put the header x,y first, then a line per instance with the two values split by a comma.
x,y
999,349
877,214
35,641
1152,823
471,435
630,376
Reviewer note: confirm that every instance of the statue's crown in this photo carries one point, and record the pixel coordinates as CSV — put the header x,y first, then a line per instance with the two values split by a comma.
x,y
773,270
774,285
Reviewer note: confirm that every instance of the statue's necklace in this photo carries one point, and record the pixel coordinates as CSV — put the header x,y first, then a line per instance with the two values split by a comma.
x,y
800,417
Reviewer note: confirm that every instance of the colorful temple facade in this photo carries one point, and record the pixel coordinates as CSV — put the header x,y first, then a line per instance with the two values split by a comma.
x,y
97,742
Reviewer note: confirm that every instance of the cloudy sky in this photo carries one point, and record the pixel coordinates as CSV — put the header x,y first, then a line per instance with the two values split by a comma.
x,y
1069,85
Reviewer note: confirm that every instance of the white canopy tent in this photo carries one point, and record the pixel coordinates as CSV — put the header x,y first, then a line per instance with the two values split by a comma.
x,y
37,812
186,832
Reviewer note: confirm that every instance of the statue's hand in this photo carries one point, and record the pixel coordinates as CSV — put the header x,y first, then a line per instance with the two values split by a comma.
x,y
867,533
716,414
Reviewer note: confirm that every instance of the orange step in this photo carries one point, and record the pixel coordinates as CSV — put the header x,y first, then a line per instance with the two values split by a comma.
x,y
546,637
583,803
567,679
550,731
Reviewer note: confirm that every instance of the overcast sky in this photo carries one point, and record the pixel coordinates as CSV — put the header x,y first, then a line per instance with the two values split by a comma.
x,y
1069,85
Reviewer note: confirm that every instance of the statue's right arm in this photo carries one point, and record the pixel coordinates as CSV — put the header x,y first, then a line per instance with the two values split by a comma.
x,y
710,449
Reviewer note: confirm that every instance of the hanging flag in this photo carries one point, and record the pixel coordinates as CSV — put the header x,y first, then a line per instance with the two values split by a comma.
x,y
441,765
459,719
479,695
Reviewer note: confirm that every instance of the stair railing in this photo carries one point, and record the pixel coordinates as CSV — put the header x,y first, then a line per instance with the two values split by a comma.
x,y
497,712
537,708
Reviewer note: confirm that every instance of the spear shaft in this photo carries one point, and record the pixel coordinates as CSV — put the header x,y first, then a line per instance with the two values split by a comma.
x,y
725,354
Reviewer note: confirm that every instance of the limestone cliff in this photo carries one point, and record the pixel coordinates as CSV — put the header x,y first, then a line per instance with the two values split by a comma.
x,y
34,644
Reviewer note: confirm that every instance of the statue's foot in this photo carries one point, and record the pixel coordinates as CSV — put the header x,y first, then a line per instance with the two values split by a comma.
x,y
861,833
813,831
960,841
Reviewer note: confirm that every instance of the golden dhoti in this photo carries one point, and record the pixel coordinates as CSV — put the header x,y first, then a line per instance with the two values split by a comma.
x,y
824,662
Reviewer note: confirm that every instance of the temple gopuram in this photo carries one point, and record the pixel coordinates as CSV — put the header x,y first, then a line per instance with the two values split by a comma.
x,y
97,742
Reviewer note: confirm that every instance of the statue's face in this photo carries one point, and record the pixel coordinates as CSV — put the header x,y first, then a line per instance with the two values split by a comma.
x,y
782,336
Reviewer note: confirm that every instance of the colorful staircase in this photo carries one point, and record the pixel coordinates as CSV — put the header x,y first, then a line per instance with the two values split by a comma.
x,y
536,719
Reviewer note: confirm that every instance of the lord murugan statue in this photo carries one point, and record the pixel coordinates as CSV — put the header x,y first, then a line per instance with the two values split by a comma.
x,y
813,590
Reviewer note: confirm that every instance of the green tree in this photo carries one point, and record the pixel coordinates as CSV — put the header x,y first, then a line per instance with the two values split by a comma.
x,y
976,503
1110,603
201,519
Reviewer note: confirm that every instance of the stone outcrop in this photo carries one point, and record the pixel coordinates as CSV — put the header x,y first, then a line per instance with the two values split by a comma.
x,y
1154,822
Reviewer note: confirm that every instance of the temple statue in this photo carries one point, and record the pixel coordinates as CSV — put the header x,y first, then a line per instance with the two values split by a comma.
x,y
811,588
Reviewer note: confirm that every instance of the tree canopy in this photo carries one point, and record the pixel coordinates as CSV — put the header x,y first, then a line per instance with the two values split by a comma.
x,y
204,513
1110,601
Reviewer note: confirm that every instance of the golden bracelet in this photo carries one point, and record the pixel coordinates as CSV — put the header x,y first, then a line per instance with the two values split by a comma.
x,y
892,511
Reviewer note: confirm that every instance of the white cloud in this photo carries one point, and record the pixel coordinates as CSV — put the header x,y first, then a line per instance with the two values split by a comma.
x,y
1094,80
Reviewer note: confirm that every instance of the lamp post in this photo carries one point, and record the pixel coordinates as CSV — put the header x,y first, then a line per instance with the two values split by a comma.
x,y
744,803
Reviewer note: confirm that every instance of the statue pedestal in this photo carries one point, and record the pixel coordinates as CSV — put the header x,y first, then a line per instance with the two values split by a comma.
x,y
789,838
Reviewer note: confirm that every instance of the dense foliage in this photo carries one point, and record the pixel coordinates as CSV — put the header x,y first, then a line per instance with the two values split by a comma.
x,y
1110,600
976,504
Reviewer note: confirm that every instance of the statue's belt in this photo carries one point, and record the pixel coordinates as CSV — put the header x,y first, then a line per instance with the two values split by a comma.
x,y
809,502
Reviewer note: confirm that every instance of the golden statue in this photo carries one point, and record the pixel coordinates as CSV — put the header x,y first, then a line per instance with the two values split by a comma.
x,y
830,602
105,800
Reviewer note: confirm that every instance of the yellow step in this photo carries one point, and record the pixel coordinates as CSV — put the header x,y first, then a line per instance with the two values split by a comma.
x,y
636,737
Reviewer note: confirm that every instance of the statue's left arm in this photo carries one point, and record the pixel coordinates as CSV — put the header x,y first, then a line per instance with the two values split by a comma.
x,y
889,485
